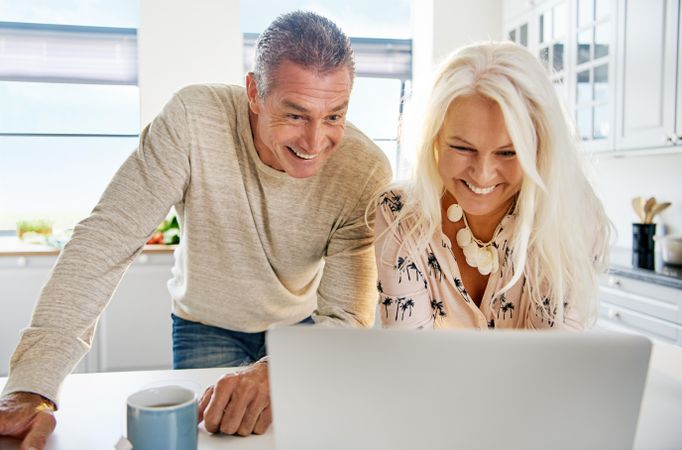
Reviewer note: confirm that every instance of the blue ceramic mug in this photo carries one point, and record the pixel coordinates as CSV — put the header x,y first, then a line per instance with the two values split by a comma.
x,y
163,418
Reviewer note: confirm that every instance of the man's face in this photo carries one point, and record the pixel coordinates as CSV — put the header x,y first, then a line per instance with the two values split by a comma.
x,y
301,120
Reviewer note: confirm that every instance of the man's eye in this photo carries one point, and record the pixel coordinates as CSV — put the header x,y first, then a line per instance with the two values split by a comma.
x,y
294,116
335,117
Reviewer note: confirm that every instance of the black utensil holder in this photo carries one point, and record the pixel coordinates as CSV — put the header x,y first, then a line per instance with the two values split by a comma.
x,y
643,245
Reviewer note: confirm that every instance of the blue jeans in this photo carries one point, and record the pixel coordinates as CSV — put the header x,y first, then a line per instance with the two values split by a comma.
x,y
197,346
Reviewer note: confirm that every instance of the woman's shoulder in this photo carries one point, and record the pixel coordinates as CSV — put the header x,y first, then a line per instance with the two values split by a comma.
x,y
392,200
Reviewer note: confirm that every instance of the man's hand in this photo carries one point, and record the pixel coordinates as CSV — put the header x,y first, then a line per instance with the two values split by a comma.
x,y
239,403
27,416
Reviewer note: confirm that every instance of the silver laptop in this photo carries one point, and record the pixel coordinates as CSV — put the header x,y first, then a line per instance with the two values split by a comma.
x,y
375,389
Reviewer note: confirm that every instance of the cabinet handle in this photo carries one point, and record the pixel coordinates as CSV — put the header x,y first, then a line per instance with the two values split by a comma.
x,y
672,139
613,314
613,281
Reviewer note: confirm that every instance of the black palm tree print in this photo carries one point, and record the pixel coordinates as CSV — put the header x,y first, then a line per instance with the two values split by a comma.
x,y
398,303
507,255
438,308
405,266
550,313
460,287
434,266
380,288
393,200
505,307
388,301
408,305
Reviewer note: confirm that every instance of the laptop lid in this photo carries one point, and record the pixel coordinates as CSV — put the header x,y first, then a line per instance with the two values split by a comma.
x,y
396,389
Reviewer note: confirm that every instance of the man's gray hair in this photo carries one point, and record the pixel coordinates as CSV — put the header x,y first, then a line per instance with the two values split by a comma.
x,y
304,38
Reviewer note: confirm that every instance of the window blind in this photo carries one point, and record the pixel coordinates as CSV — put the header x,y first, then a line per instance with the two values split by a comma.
x,y
374,58
67,54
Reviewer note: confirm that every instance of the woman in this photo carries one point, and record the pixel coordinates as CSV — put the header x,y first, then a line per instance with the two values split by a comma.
x,y
499,227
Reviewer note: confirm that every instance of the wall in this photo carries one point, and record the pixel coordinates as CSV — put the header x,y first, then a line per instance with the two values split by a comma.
x,y
441,26
619,179
438,28
181,42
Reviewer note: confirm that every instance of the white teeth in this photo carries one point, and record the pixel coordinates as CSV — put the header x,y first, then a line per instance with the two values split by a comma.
x,y
304,155
477,190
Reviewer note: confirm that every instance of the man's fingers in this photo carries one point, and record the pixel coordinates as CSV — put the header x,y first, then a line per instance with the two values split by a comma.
x,y
264,421
203,403
253,412
222,391
236,408
41,429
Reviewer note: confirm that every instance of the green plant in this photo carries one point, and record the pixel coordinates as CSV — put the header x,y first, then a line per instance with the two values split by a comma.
x,y
43,227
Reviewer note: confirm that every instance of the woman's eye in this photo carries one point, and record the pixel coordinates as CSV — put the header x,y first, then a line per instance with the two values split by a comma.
x,y
462,149
507,153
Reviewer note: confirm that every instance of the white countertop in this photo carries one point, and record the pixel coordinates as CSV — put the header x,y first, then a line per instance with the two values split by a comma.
x,y
92,414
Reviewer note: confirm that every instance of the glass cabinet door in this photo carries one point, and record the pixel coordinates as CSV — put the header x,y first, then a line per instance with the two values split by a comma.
x,y
593,102
519,33
552,43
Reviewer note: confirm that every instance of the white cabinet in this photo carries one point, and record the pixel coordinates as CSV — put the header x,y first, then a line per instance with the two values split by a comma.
x,y
135,330
647,73
133,334
592,71
616,67
640,307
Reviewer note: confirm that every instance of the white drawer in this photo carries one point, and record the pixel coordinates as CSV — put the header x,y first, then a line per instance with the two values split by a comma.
x,y
618,317
658,301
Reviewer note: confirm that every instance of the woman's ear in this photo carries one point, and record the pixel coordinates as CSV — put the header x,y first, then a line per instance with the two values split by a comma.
x,y
252,92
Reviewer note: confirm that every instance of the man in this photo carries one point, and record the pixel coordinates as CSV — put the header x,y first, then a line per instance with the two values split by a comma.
x,y
271,187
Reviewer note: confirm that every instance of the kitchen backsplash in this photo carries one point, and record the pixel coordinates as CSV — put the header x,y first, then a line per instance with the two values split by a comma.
x,y
619,179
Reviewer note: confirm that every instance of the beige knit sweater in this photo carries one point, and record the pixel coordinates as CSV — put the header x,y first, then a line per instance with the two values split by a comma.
x,y
258,247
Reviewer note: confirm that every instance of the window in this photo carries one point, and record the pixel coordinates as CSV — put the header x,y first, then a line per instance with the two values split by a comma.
x,y
380,35
69,105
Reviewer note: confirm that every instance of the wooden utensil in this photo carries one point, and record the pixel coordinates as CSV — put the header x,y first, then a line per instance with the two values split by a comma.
x,y
657,208
638,206
650,203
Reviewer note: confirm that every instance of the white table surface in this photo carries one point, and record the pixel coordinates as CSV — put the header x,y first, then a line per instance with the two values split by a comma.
x,y
92,410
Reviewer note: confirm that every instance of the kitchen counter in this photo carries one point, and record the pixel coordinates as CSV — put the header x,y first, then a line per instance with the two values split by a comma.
x,y
11,246
662,274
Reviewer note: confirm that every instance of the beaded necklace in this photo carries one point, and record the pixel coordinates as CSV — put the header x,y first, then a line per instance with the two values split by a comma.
x,y
478,254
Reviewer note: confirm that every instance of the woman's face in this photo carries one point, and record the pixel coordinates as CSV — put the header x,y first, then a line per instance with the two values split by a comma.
x,y
476,158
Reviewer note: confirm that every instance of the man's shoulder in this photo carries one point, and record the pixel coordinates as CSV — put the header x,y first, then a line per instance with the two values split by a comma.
x,y
203,95
359,154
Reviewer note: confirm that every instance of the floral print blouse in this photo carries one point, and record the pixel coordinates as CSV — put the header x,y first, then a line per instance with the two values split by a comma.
x,y
429,293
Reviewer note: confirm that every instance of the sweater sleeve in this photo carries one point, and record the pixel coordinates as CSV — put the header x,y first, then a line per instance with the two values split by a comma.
x,y
347,292
149,182
404,300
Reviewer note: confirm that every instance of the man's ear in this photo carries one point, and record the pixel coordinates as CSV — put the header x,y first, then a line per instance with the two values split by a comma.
x,y
252,93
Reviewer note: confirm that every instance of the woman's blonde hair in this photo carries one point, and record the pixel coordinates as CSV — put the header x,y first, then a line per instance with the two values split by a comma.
x,y
562,233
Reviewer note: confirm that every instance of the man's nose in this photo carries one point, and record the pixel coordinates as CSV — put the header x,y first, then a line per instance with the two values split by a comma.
x,y
314,137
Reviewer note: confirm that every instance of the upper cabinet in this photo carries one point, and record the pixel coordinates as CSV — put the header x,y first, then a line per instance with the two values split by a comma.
x,y
593,88
614,64
647,73
551,42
